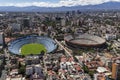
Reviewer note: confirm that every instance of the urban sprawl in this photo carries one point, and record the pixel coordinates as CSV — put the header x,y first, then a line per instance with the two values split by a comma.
x,y
78,45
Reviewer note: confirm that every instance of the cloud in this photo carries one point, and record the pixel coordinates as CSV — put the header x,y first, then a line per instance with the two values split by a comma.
x,y
58,4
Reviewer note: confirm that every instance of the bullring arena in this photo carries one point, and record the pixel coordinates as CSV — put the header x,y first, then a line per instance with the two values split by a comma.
x,y
84,40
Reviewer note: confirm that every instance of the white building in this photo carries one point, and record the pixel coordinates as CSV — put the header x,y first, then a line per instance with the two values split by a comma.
x,y
15,27
63,22
110,36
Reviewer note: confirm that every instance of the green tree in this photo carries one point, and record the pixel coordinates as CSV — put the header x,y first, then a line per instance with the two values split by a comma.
x,y
91,73
85,68
22,70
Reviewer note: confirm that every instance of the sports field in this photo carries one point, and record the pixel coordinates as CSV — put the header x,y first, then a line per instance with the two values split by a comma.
x,y
33,48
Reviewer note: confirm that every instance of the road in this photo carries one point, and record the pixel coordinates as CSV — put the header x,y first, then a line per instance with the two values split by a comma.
x,y
68,53
3,76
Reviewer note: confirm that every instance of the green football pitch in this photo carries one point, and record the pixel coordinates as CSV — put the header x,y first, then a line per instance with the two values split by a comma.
x,y
33,48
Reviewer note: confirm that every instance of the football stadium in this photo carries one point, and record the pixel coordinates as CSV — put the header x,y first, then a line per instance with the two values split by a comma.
x,y
32,44
84,40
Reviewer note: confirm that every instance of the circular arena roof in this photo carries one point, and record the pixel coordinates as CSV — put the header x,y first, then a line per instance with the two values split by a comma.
x,y
15,46
84,40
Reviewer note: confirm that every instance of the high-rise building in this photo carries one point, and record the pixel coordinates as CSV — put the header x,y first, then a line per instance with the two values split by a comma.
x,y
116,69
26,23
2,40
63,22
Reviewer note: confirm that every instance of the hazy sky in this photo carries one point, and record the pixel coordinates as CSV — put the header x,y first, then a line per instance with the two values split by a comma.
x,y
50,3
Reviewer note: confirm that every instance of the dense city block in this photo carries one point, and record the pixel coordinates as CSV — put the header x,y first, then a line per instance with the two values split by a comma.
x,y
70,45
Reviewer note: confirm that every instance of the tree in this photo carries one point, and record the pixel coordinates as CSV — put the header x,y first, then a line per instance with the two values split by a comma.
x,y
91,73
42,52
19,65
85,68
22,70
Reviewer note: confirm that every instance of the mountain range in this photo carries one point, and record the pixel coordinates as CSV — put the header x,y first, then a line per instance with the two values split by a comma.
x,y
103,6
